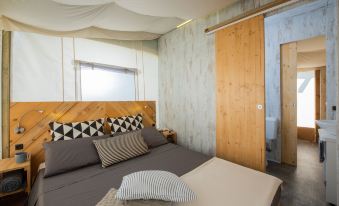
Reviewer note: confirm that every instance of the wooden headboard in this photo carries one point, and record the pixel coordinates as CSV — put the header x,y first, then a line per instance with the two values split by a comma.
x,y
36,124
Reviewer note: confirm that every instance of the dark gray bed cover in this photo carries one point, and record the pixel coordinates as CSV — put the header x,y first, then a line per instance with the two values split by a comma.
x,y
87,186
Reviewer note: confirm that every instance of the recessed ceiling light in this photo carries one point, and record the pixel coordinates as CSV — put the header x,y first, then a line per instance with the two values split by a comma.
x,y
183,23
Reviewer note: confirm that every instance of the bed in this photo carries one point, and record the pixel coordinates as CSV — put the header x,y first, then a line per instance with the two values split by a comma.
x,y
88,185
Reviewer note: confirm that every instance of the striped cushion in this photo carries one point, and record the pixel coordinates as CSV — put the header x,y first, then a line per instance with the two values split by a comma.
x,y
154,184
120,148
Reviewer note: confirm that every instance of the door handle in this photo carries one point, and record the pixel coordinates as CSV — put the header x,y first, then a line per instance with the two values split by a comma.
x,y
259,106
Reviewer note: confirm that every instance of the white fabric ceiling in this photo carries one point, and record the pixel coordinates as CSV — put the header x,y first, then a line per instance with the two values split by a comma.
x,y
147,18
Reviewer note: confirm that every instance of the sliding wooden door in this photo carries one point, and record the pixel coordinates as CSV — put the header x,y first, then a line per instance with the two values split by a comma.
x,y
289,103
240,93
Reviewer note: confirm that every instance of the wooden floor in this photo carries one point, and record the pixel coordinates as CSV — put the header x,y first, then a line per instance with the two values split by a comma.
x,y
303,185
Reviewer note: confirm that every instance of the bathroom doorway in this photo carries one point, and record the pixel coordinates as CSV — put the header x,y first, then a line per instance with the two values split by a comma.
x,y
303,94
303,101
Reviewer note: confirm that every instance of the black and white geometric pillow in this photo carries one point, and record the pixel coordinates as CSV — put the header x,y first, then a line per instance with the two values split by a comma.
x,y
73,130
125,123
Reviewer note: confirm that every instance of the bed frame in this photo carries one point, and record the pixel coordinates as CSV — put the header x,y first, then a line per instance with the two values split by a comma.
x,y
36,124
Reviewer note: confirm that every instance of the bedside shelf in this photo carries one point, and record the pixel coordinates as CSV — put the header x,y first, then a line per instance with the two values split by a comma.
x,y
12,193
8,165
170,135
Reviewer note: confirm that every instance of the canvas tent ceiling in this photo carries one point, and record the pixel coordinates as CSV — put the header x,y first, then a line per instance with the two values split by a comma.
x,y
114,19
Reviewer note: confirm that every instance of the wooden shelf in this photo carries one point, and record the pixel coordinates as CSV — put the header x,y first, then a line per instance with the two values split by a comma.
x,y
11,193
170,135
8,165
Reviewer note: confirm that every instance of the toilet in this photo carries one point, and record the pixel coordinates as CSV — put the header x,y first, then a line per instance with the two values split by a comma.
x,y
271,132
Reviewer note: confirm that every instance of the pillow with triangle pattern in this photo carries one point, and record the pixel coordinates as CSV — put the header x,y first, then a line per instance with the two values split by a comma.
x,y
74,130
125,123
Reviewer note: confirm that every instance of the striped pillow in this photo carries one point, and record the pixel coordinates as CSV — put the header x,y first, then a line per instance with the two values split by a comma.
x,y
155,185
120,148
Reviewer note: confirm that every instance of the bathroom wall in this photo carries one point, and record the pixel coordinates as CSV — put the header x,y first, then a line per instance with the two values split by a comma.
x,y
304,22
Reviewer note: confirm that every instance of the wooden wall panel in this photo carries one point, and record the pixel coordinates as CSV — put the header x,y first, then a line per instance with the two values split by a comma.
x,y
240,89
36,124
323,93
5,88
289,103
302,133
307,133
317,94
320,83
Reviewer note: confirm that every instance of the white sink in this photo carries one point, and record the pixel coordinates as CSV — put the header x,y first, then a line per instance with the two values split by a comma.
x,y
326,124
327,135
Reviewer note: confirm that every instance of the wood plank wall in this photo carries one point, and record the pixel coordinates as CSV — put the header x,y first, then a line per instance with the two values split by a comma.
x,y
307,133
320,88
5,88
323,93
36,124
317,94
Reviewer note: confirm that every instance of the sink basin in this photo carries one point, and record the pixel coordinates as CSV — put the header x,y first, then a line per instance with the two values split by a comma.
x,y
326,124
327,135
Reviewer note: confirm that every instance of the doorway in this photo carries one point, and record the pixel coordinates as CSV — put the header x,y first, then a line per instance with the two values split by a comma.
x,y
303,101
303,94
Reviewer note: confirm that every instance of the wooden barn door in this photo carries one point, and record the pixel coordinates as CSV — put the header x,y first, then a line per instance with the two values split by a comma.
x,y
289,129
240,92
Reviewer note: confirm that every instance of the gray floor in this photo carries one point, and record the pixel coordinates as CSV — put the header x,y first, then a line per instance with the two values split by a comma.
x,y
304,184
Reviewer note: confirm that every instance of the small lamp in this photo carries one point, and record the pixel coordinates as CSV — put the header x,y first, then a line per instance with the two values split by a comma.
x,y
19,129
152,110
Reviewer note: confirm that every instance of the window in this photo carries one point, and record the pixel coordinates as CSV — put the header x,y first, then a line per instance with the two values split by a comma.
x,y
106,83
306,99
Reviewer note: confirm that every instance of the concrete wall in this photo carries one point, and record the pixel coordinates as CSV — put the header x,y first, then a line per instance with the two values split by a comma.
x,y
337,58
187,68
304,22
187,79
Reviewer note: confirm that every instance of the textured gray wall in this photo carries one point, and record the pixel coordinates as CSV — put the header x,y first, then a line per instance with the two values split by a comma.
x,y
187,80
186,84
307,21
187,71
337,56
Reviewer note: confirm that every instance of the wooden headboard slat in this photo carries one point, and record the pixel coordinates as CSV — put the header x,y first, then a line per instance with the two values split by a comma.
x,y
36,124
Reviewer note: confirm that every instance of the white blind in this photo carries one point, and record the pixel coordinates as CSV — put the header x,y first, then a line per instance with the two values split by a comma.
x,y
107,84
